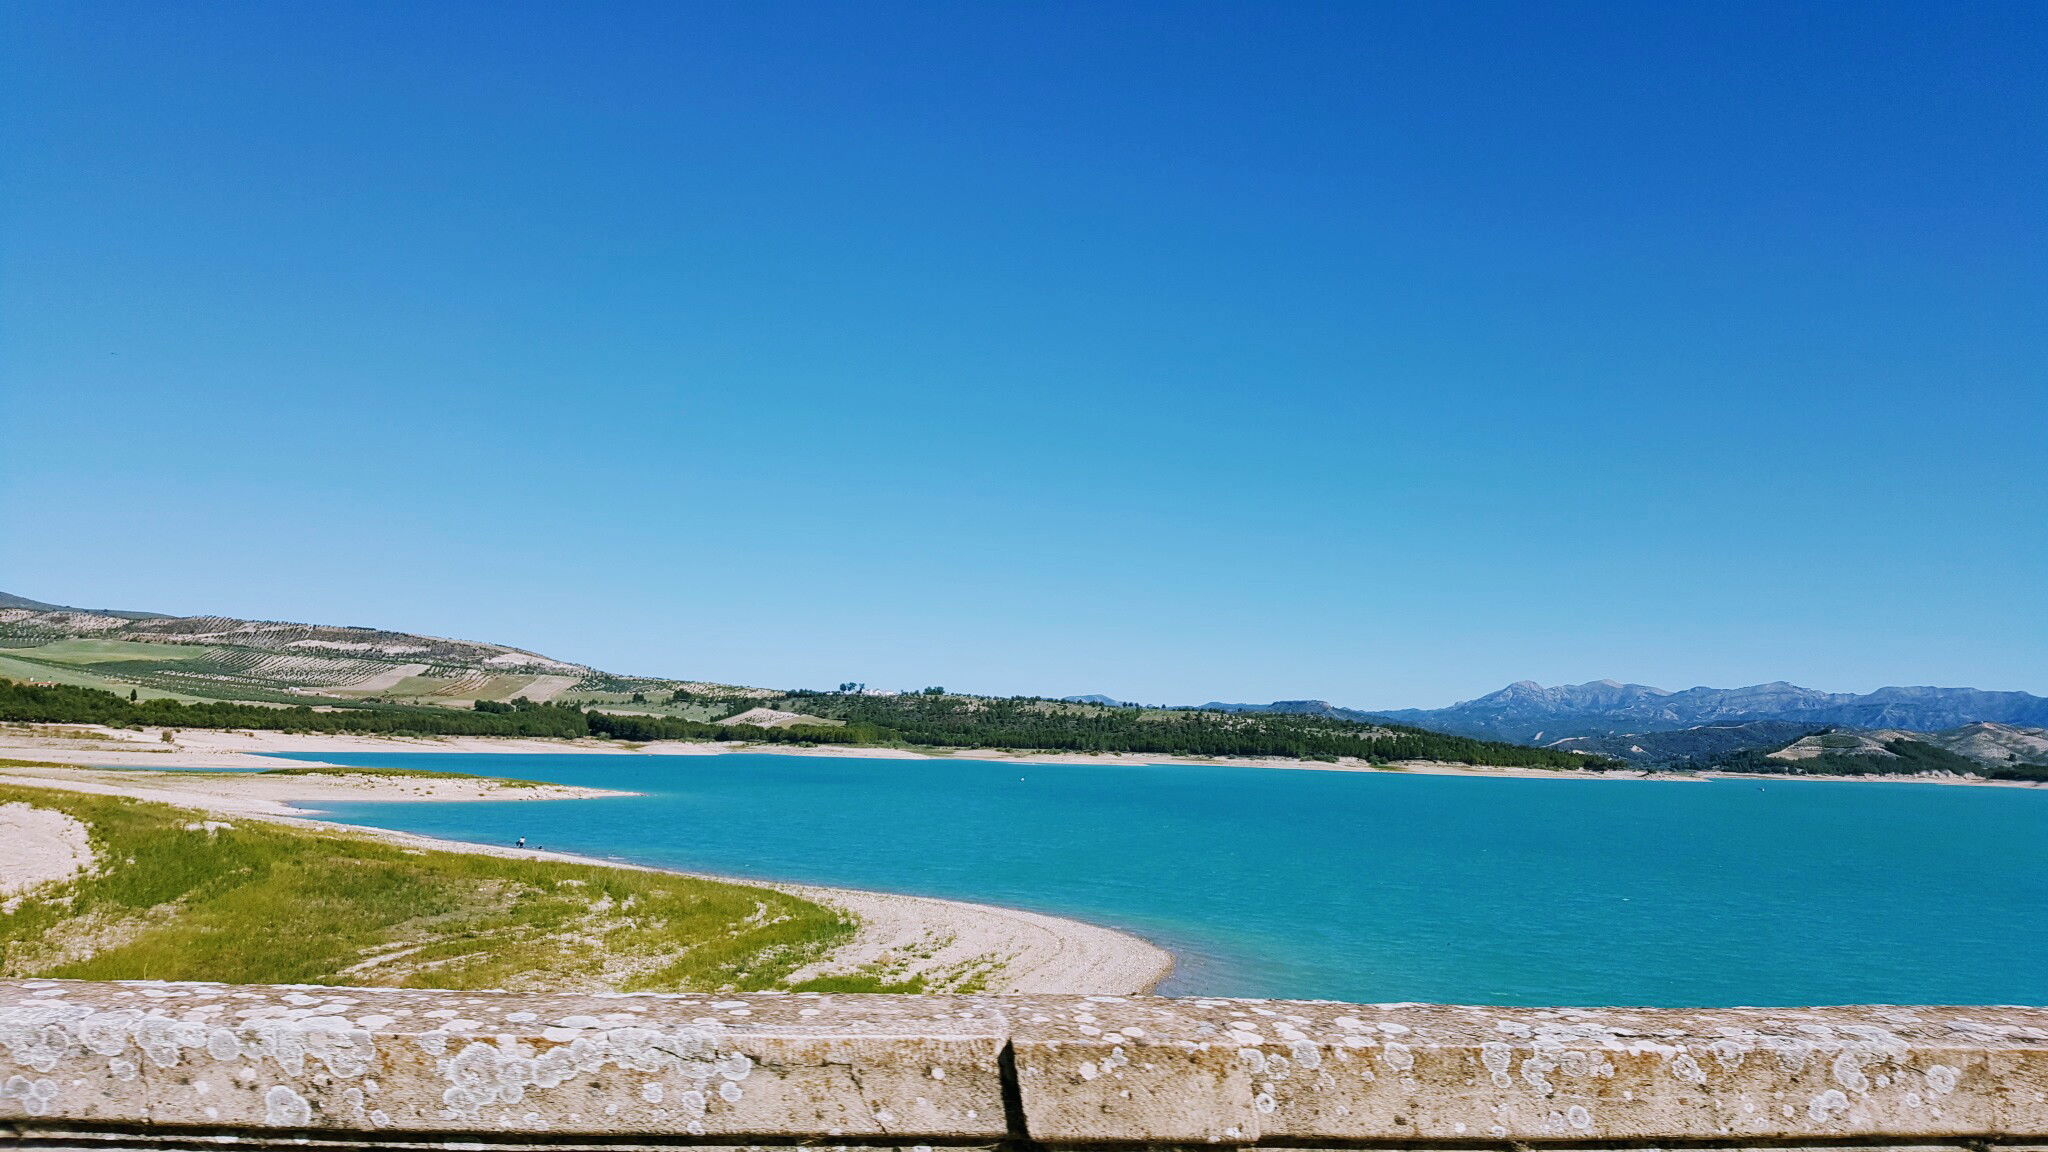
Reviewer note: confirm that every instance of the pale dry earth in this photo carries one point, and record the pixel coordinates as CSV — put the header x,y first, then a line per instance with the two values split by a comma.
x,y
1871,778
249,794
777,718
388,678
39,846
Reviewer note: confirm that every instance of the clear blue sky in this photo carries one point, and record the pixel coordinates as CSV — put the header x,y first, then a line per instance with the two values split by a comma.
x,y
1383,354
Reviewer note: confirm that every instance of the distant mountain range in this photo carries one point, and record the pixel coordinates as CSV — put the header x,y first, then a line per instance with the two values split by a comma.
x,y
1529,713
74,666
8,600
224,658
1643,724
1294,708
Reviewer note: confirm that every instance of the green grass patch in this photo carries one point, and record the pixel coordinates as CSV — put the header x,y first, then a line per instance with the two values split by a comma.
x,y
111,651
175,896
21,664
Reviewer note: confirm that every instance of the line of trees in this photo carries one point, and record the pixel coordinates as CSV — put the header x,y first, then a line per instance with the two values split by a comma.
x,y
921,719
1033,723
64,704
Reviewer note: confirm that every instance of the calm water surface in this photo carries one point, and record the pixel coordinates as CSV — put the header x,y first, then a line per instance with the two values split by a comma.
x,y
1363,886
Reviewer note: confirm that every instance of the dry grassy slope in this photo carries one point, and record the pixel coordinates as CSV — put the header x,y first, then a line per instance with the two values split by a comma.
x,y
1989,743
1838,744
214,657
1985,743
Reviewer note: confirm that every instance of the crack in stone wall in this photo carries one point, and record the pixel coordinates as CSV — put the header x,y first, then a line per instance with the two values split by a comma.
x,y
225,1064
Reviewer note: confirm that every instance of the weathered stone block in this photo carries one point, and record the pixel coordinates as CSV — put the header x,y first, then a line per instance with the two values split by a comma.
x,y
1241,1070
1108,1069
211,1055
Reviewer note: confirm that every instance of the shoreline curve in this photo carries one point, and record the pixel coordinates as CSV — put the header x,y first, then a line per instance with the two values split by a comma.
x,y
95,745
1013,950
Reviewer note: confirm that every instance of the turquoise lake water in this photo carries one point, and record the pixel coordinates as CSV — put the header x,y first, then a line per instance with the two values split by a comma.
x,y
1366,886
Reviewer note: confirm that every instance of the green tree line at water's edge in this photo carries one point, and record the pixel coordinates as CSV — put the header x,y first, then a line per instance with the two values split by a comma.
x,y
933,718
920,721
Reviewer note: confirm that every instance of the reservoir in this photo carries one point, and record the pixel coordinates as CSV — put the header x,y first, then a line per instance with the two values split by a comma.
x,y
1363,886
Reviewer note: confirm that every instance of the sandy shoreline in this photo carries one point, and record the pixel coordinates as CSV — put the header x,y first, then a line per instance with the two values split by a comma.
x,y
291,797
242,749
1015,950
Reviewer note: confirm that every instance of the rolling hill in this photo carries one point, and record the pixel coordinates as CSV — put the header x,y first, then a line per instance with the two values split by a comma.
x,y
1976,745
373,679
1693,747
1969,748
1987,751
215,671
221,658
8,601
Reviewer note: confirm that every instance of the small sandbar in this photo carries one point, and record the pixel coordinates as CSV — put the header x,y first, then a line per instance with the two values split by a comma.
x,y
284,793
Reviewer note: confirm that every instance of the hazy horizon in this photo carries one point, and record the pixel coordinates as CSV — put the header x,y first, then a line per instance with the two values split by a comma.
x,y
1049,692
1383,355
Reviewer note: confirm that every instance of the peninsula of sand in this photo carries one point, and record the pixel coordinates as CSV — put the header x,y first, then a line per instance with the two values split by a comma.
x,y
1017,951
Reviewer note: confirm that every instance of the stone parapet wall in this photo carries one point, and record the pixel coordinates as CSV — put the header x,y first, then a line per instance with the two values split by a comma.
x,y
93,1064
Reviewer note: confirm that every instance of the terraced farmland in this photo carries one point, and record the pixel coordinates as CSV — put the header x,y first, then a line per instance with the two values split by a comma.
x,y
220,658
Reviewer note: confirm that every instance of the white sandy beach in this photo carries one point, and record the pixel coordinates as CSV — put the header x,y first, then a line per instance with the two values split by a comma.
x,y
1019,951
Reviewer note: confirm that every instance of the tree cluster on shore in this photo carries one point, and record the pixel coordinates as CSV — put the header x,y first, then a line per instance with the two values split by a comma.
x,y
63,704
1029,722
926,719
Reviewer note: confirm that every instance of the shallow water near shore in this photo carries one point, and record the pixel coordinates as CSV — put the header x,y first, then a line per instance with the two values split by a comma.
x,y
1362,886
